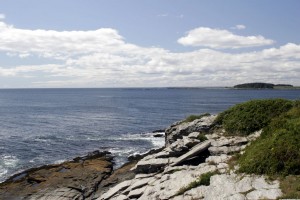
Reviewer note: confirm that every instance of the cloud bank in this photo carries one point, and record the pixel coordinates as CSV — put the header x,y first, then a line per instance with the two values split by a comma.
x,y
103,58
221,39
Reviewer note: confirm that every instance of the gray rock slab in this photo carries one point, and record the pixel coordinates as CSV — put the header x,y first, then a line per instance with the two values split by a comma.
x,y
196,150
118,188
136,193
260,183
138,184
119,197
151,166
264,194
225,149
218,159
193,135
233,141
178,130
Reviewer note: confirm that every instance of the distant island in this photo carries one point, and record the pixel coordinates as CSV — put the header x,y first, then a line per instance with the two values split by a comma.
x,y
263,86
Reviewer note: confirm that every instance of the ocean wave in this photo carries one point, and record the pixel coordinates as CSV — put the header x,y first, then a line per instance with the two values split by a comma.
x,y
7,162
2,173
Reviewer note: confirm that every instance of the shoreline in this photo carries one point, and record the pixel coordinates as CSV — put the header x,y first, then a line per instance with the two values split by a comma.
x,y
198,157
106,173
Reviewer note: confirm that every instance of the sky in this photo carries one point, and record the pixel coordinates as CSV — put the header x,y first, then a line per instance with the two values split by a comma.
x,y
148,43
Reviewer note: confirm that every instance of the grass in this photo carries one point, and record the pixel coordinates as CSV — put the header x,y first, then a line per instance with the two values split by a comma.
x,y
277,151
194,117
233,160
204,179
245,118
290,187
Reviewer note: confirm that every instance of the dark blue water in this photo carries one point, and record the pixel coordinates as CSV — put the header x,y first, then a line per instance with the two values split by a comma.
x,y
43,126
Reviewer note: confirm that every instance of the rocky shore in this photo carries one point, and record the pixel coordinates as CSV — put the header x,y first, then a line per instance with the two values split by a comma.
x,y
194,151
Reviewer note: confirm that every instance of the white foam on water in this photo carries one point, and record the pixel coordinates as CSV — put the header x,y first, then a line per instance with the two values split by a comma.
x,y
157,142
59,161
9,160
2,172
119,151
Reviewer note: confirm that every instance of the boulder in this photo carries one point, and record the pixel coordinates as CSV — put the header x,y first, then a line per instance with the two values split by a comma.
x,y
151,166
180,129
193,135
193,152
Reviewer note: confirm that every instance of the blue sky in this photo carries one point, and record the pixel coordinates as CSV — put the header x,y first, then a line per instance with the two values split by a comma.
x,y
157,43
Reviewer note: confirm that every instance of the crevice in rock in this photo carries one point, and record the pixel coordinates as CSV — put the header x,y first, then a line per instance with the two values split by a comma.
x,y
196,160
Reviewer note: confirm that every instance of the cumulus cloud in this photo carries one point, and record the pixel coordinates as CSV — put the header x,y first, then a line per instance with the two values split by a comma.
x,y
55,44
102,58
221,39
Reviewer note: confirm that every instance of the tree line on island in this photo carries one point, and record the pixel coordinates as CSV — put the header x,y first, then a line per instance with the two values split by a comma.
x,y
262,86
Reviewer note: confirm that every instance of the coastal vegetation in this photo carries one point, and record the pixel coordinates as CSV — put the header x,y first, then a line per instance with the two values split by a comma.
x,y
202,137
194,117
276,152
245,118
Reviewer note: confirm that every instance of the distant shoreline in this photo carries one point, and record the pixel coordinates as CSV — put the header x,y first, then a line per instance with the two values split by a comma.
x,y
155,88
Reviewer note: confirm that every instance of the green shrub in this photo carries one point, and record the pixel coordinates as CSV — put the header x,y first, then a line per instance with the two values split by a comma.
x,y
202,137
277,151
251,116
204,179
194,117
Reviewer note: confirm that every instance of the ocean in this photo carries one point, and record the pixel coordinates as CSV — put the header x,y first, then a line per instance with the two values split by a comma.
x,y
46,126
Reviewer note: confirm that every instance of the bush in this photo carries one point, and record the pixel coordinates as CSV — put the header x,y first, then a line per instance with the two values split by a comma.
x,y
251,116
194,117
277,151
202,137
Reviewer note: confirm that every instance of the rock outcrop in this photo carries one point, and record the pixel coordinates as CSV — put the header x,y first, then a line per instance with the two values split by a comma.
x,y
76,179
182,128
172,173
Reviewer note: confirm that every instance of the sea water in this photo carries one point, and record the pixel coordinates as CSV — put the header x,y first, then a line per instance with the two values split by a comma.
x,y
45,126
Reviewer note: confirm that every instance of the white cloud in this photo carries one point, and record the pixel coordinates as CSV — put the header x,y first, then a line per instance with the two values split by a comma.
x,y
102,58
55,44
2,16
239,27
221,39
